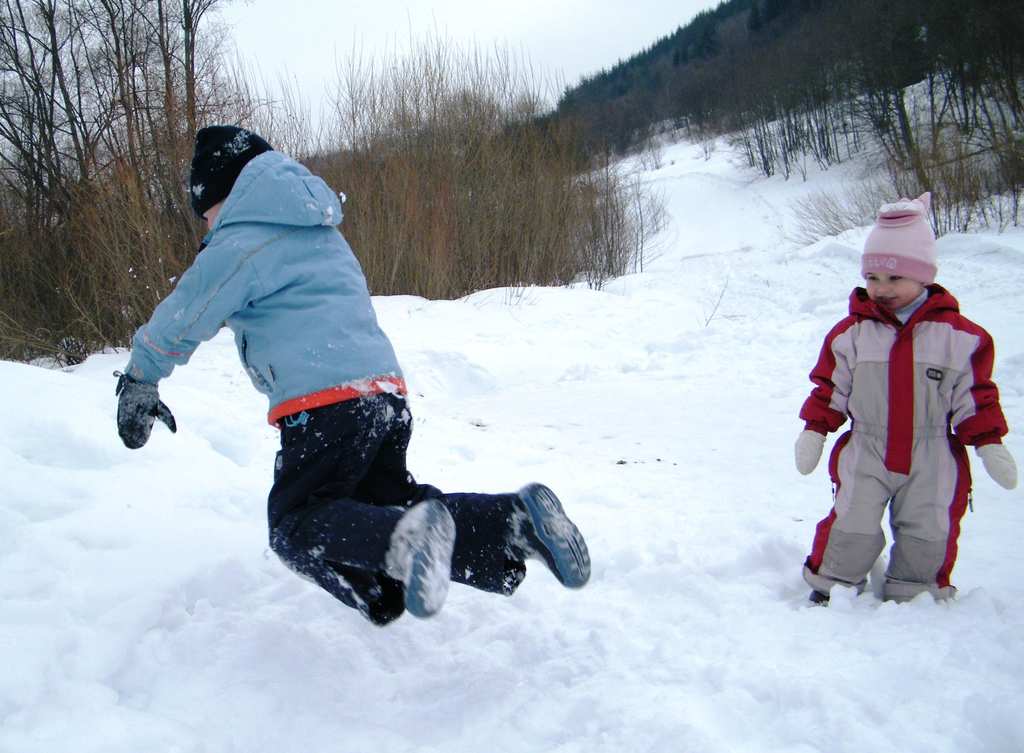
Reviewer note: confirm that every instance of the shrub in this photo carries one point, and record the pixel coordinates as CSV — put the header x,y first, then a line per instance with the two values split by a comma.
x,y
456,183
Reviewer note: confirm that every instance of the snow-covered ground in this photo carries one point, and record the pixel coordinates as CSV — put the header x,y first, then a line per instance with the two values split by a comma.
x,y
141,610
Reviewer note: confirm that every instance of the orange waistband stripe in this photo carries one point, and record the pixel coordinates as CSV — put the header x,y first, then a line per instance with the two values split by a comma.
x,y
361,388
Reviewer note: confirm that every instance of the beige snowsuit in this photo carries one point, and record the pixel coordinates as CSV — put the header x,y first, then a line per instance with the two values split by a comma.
x,y
916,393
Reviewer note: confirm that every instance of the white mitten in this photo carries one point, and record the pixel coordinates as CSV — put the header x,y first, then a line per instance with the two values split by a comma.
x,y
808,450
999,464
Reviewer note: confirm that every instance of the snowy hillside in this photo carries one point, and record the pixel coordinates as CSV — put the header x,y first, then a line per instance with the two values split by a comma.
x,y
141,609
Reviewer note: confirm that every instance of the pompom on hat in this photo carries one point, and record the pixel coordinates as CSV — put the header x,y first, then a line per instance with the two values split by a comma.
x,y
221,152
902,242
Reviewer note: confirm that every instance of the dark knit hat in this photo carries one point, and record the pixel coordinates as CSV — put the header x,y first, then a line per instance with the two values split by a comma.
x,y
220,154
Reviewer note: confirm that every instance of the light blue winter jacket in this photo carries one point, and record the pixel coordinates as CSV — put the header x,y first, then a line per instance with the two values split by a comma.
x,y
278,272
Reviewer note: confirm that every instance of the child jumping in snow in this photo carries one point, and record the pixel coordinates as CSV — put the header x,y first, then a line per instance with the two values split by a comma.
x,y
344,510
915,378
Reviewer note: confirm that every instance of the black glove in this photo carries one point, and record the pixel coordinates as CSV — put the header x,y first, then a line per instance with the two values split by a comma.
x,y
138,406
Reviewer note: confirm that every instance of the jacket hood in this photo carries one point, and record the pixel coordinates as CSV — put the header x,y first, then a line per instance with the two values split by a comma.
x,y
939,299
275,189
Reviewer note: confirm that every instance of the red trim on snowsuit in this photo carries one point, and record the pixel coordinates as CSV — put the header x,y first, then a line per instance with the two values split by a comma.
x,y
988,424
816,411
957,509
824,527
899,443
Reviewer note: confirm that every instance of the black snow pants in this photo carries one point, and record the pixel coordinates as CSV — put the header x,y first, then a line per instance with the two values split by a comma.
x,y
340,486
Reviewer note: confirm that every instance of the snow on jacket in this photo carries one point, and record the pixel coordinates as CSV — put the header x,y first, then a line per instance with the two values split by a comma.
x,y
903,382
277,271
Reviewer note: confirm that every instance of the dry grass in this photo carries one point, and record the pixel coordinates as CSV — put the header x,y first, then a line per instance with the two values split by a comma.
x,y
827,213
455,182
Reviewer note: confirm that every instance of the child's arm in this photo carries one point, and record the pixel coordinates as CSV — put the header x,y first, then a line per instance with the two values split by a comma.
x,y
825,408
220,282
977,417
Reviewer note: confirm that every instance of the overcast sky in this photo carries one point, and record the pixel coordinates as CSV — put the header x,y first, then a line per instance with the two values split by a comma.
x,y
567,38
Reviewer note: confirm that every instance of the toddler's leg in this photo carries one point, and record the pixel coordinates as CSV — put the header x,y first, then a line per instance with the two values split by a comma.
x,y
849,540
926,515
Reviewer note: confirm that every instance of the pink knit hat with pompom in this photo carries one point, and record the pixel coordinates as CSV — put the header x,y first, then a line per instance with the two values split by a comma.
x,y
902,242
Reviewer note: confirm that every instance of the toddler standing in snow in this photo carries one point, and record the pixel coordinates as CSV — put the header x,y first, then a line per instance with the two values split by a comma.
x,y
915,378
344,511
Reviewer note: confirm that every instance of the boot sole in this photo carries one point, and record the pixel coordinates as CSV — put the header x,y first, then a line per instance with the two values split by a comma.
x,y
555,537
431,567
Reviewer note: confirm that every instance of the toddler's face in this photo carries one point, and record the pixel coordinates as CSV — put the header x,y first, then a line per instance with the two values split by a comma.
x,y
892,292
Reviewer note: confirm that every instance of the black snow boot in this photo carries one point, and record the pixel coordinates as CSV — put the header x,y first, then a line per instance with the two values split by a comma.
x,y
420,556
818,598
542,530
